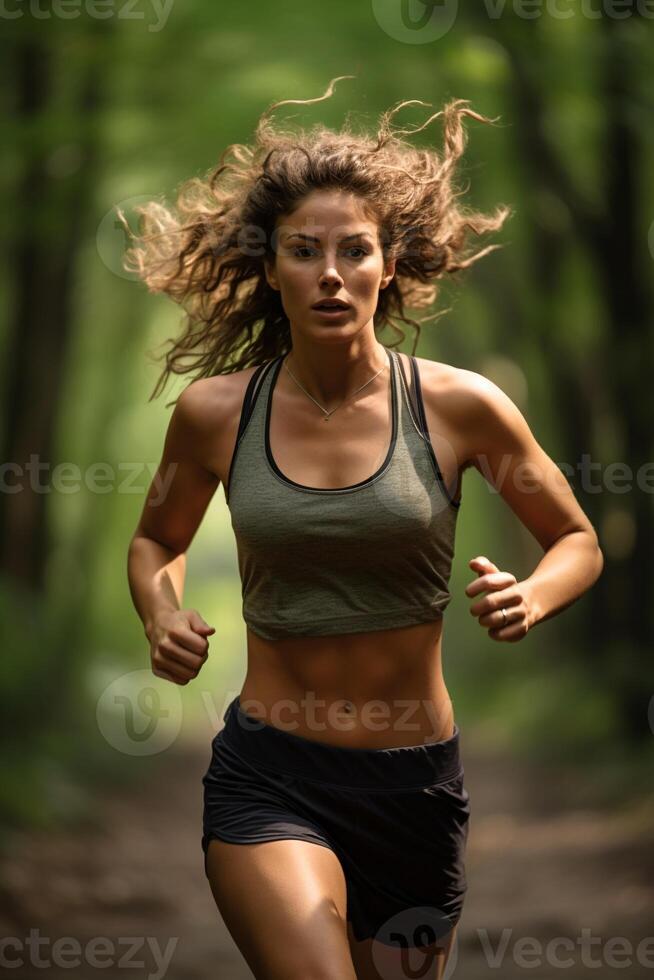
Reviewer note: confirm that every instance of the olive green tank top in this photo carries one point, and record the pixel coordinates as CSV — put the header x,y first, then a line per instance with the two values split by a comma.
x,y
319,561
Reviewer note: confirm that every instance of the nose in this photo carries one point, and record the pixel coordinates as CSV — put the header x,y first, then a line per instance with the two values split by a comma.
x,y
330,276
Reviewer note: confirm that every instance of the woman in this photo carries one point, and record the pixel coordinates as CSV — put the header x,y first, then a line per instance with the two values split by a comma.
x,y
335,814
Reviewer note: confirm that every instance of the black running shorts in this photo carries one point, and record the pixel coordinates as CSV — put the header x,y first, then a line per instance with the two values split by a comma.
x,y
397,818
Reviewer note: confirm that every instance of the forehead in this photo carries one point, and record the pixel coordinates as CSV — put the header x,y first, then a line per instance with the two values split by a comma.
x,y
330,209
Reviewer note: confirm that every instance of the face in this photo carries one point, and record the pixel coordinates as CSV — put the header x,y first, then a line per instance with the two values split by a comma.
x,y
328,248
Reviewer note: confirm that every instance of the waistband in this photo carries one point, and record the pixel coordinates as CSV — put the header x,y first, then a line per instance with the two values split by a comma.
x,y
400,767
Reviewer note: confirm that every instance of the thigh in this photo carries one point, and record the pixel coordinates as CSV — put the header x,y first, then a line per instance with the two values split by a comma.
x,y
284,903
376,961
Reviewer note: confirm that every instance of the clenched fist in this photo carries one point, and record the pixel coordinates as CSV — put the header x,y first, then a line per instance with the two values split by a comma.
x,y
504,592
179,645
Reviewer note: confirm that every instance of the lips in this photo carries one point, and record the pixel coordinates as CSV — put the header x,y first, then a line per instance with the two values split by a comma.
x,y
331,304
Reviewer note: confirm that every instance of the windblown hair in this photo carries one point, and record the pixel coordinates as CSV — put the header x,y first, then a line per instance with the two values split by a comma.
x,y
207,254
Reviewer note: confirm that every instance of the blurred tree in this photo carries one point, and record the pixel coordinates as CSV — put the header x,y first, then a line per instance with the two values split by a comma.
x,y
614,369
55,134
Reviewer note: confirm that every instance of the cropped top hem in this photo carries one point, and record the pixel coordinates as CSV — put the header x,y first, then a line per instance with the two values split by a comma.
x,y
364,622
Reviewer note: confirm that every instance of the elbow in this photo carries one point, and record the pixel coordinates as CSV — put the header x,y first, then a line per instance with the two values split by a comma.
x,y
592,554
141,539
138,533
134,543
597,554
600,560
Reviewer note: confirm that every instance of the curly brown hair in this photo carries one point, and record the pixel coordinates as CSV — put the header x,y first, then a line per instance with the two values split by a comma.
x,y
201,256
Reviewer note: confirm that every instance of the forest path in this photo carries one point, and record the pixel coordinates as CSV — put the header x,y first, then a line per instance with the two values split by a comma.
x,y
539,865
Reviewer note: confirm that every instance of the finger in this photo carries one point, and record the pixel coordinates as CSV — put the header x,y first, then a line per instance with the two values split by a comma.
x,y
187,639
174,654
493,582
495,619
483,564
510,634
496,600
198,624
175,671
165,674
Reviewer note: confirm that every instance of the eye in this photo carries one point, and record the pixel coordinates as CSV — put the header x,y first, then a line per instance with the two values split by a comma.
x,y
307,248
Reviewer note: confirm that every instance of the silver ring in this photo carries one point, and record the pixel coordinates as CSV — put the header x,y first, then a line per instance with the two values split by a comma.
x,y
503,611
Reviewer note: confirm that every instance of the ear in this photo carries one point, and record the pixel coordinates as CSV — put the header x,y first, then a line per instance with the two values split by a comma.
x,y
389,272
269,271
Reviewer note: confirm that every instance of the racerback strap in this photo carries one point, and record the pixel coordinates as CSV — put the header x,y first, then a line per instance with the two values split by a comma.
x,y
250,397
412,387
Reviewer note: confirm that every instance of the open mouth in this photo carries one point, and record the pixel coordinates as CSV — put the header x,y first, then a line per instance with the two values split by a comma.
x,y
331,307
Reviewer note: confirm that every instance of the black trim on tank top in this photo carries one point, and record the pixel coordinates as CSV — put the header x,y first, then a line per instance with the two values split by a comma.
x,y
247,407
424,431
354,486
409,388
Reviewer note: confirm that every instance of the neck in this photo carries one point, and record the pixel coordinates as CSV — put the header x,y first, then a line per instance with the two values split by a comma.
x,y
331,373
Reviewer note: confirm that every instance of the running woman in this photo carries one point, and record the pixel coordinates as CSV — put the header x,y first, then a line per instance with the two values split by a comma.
x,y
335,810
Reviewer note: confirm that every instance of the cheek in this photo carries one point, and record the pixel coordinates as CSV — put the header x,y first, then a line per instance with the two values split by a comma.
x,y
365,284
294,279
291,289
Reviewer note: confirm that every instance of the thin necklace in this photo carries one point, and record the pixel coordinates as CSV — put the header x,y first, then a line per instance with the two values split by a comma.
x,y
328,414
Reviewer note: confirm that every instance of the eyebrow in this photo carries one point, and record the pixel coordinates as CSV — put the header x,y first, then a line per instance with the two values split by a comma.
x,y
312,238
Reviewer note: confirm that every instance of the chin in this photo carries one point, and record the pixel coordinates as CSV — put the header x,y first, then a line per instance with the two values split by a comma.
x,y
337,334
315,329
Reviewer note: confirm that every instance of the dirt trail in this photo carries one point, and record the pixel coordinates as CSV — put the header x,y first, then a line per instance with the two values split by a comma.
x,y
535,869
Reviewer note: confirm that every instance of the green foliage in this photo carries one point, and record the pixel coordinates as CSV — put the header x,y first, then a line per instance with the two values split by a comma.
x,y
171,101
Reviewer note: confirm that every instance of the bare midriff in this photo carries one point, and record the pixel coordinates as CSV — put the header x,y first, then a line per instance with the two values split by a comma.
x,y
372,690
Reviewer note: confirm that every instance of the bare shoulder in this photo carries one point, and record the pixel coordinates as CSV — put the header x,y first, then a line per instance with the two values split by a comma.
x,y
206,418
206,401
473,406
463,388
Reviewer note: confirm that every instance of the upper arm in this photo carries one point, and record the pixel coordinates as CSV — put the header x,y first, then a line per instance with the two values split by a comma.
x,y
183,485
506,453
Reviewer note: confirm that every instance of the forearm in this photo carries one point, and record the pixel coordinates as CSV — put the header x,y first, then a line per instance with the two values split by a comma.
x,y
156,578
566,570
